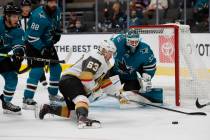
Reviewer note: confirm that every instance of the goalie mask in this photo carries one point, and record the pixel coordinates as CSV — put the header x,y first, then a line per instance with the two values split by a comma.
x,y
107,48
132,39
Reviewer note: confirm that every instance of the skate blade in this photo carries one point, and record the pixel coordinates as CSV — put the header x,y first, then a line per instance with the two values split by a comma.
x,y
29,107
93,126
11,112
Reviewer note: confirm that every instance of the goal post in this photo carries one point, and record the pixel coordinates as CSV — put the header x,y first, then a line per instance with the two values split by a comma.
x,y
177,59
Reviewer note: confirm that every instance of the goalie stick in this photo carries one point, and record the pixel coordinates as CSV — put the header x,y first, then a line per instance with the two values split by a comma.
x,y
198,105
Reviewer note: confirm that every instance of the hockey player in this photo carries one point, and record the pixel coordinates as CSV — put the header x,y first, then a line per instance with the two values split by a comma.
x,y
25,13
23,22
135,63
42,33
81,81
133,56
11,41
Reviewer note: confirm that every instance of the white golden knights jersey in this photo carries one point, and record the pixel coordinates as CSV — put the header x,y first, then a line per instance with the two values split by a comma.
x,y
92,68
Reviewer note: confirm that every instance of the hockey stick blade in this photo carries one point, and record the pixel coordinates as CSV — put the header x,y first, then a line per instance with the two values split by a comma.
x,y
173,110
198,105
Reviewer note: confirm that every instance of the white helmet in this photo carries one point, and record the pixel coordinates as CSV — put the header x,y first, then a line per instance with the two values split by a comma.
x,y
108,45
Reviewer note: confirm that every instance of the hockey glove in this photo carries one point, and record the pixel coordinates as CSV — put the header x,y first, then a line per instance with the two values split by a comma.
x,y
17,58
18,55
45,52
56,36
48,52
145,83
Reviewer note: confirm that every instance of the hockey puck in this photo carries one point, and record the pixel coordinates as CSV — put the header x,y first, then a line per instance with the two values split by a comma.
x,y
175,122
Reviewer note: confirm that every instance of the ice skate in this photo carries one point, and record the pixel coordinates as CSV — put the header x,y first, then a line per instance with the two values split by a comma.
x,y
29,104
9,108
56,99
43,110
84,122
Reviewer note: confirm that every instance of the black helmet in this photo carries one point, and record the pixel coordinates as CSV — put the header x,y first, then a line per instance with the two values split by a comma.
x,y
11,8
49,0
25,3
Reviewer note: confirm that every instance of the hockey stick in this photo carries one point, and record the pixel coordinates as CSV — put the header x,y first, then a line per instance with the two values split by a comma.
x,y
198,105
170,109
78,60
157,106
161,107
35,58
68,56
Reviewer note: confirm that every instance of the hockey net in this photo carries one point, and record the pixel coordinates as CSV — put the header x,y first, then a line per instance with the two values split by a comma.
x,y
180,70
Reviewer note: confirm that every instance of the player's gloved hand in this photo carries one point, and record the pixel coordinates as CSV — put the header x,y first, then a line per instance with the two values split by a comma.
x,y
94,95
17,58
47,52
123,101
123,98
146,84
56,37
146,77
18,55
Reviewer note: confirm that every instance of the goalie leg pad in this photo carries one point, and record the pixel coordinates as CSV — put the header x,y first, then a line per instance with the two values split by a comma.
x,y
155,95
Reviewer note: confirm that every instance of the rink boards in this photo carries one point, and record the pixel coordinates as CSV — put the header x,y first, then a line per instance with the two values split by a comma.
x,y
79,44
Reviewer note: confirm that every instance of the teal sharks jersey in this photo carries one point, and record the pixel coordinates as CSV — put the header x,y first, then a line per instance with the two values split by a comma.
x,y
127,62
11,39
42,27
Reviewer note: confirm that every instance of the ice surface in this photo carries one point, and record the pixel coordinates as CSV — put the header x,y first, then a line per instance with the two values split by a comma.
x,y
141,123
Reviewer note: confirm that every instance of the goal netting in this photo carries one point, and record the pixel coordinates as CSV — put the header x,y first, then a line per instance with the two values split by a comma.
x,y
180,69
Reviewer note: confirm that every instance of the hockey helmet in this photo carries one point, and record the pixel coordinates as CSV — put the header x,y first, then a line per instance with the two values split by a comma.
x,y
108,45
25,3
49,0
11,8
132,38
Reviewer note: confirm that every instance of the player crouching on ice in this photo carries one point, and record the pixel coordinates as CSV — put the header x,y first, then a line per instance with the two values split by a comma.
x,y
135,64
81,81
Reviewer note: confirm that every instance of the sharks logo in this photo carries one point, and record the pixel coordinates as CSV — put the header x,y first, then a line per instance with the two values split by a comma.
x,y
41,15
123,68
